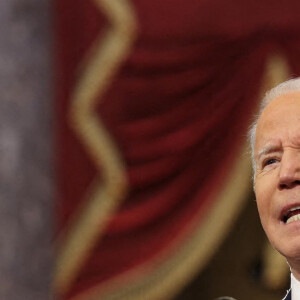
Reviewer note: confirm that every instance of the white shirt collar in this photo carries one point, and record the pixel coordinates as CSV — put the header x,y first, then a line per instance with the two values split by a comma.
x,y
295,285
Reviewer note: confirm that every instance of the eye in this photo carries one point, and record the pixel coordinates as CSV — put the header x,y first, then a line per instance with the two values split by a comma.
x,y
269,161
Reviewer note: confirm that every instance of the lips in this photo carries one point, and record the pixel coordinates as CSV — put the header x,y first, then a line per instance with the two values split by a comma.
x,y
291,214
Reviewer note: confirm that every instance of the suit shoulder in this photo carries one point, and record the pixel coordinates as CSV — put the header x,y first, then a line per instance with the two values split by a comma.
x,y
288,295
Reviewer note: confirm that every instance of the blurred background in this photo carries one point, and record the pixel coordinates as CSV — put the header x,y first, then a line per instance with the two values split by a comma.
x,y
125,170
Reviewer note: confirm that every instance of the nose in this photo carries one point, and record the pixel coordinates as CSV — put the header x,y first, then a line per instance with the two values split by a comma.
x,y
289,176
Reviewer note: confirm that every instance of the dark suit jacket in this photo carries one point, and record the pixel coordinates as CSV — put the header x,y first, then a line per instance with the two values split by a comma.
x,y
288,296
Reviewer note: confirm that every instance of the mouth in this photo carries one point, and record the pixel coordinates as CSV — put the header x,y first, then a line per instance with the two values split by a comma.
x,y
291,214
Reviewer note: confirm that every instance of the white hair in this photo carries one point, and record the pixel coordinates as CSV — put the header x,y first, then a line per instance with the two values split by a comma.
x,y
289,86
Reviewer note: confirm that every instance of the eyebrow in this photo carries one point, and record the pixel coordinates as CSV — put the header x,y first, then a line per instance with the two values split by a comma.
x,y
268,149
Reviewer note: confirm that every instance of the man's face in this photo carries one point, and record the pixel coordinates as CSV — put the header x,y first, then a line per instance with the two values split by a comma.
x,y
277,180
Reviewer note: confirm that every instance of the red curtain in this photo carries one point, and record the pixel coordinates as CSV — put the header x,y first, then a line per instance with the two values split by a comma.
x,y
177,109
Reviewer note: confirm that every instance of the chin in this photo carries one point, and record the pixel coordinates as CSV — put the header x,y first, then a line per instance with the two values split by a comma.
x,y
291,251
285,238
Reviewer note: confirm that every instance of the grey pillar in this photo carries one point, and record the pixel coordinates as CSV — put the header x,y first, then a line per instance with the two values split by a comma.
x,y
26,147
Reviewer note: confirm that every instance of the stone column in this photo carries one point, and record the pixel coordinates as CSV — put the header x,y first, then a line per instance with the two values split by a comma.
x,y
26,150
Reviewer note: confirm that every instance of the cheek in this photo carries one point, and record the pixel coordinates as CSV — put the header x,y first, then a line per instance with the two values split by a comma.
x,y
263,196
262,210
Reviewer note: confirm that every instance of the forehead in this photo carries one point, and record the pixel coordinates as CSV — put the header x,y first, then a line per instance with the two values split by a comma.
x,y
279,121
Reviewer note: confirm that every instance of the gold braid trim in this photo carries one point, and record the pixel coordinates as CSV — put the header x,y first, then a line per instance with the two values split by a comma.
x,y
173,274
103,196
